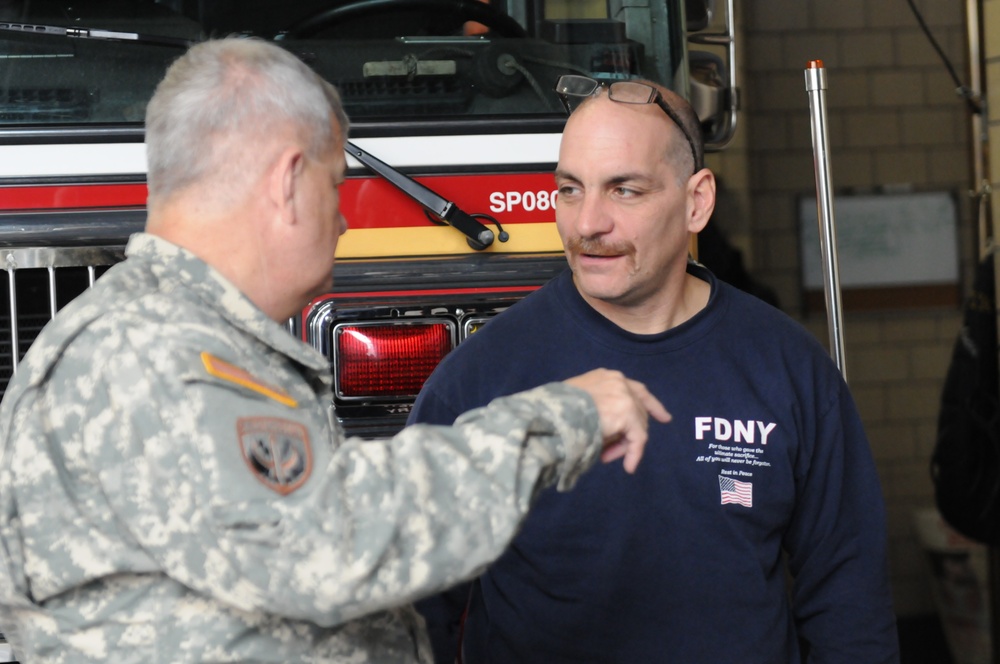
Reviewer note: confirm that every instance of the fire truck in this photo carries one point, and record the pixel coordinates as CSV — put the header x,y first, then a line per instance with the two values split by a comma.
x,y
455,131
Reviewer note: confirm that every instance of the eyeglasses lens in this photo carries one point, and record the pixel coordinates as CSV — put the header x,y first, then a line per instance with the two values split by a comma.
x,y
631,93
574,89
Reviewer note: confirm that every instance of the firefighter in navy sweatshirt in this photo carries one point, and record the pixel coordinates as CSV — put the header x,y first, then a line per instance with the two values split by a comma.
x,y
755,530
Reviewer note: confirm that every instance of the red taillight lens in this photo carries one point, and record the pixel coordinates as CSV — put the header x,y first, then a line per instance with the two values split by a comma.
x,y
388,360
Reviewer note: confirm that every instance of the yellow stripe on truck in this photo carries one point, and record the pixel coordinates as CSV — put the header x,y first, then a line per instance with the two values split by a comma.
x,y
443,240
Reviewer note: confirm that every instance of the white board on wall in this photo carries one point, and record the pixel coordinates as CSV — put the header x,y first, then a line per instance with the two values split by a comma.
x,y
884,240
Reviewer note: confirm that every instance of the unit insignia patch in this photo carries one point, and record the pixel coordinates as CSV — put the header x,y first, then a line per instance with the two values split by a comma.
x,y
277,451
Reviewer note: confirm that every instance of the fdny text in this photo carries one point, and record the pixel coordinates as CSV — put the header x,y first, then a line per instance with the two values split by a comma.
x,y
738,431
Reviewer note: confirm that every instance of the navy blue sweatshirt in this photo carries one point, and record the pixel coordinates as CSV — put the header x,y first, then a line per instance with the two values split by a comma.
x,y
764,465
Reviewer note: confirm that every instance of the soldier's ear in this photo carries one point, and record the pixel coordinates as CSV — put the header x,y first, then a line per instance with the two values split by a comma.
x,y
283,182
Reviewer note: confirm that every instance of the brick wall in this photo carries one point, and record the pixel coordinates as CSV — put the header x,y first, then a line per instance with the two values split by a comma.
x,y
894,120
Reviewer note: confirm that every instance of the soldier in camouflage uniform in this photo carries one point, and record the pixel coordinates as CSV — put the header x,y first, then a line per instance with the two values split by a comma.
x,y
173,484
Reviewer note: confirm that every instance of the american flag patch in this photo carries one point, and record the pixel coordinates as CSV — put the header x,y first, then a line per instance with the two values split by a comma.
x,y
734,491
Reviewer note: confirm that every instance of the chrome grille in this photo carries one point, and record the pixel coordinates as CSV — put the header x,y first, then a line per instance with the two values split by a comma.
x,y
35,283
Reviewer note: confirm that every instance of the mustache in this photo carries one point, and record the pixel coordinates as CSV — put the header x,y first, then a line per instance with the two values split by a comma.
x,y
596,247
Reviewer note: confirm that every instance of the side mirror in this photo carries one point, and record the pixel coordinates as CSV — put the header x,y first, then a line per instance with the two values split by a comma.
x,y
714,90
698,14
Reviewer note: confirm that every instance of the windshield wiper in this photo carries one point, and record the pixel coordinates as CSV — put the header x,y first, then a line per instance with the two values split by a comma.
x,y
89,33
479,237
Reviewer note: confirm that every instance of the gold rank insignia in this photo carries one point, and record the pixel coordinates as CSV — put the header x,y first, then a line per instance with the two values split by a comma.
x,y
232,373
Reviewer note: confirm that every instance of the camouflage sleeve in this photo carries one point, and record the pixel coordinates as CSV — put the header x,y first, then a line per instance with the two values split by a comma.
x,y
378,524
460,493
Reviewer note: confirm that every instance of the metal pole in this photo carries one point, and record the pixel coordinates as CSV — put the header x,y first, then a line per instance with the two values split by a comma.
x,y
987,244
816,88
14,341
980,192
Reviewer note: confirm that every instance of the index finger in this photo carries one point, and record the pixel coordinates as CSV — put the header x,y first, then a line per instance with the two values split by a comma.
x,y
656,409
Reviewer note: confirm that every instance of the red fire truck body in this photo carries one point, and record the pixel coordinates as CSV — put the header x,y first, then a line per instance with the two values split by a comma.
x,y
462,106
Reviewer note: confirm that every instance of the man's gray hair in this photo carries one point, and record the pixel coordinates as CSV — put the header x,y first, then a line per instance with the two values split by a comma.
x,y
222,99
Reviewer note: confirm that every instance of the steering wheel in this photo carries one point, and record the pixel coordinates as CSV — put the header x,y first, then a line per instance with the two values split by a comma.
x,y
469,10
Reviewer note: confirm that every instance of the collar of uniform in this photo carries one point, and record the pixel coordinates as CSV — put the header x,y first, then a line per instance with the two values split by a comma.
x,y
172,262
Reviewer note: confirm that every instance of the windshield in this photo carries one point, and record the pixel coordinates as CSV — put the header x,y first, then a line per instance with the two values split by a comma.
x,y
392,60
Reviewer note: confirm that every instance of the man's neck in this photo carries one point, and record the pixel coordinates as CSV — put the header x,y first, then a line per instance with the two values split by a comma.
x,y
232,246
665,313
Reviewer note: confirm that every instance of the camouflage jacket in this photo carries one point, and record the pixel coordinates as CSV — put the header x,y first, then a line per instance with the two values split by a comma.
x,y
174,486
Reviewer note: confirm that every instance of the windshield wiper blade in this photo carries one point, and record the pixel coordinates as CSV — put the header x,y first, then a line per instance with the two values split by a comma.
x,y
95,33
479,236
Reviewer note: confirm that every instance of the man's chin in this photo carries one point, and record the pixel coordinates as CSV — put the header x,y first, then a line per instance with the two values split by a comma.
x,y
321,289
598,287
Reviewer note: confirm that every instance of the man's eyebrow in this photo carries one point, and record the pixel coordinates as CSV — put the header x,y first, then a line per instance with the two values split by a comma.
x,y
635,177
629,177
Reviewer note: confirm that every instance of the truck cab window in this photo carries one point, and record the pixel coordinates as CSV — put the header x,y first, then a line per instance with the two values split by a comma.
x,y
97,63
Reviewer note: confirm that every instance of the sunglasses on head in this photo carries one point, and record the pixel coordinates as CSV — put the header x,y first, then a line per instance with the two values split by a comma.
x,y
573,89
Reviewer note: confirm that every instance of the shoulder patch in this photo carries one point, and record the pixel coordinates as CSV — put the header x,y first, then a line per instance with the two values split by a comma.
x,y
277,451
232,373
